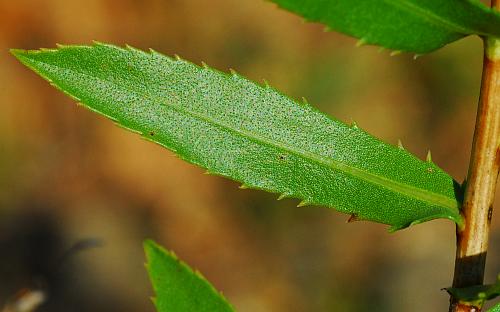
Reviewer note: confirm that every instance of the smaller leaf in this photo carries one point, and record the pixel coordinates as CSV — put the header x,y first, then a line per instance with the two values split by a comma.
x,y
476,294
178,288
495,308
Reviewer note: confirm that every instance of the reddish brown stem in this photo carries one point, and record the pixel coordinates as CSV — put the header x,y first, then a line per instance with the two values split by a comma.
x,y
477,209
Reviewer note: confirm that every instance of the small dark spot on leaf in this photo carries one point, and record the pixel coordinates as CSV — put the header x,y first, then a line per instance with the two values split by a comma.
x,y
151,133
490,213
353,218
430,170
282,157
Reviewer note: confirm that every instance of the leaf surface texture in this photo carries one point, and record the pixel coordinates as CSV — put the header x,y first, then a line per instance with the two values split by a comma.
x,y
251,133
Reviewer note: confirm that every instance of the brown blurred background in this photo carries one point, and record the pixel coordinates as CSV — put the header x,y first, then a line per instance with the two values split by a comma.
x,y
67,174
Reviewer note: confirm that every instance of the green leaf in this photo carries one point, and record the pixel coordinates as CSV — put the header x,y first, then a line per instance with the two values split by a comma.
x,y
418,26
251,133
495,308
476,295
177,287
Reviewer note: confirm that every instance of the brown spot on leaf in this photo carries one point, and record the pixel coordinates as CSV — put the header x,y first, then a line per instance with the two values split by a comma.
x,y
353,218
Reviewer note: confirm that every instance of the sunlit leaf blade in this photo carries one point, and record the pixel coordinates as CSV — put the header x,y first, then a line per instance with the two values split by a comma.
x,y
418,26
495,308
251,133
177,287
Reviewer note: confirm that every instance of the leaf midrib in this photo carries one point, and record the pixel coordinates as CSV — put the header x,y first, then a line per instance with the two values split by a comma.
x,y
401,188
429,16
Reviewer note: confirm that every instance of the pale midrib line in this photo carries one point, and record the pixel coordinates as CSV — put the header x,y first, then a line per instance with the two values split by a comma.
x,y
406,190
419,194
429,15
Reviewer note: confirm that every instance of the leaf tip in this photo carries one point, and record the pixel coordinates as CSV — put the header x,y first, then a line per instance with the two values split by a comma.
x,y
16,52
149,245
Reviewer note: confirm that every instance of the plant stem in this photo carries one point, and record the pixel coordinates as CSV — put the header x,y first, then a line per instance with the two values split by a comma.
x,y
477,209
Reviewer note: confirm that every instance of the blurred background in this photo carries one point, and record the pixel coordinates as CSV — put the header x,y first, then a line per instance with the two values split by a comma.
x,y
68,175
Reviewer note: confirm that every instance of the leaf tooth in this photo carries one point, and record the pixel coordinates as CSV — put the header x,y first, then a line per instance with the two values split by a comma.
x,y
303,203
305,20
327,29
395,52
354,125
416,56
304,101
428,158
233,72
381,49
361,42
283,196
266,84
96,43
135,50
204,65
243,187
41,50
177,57
400,145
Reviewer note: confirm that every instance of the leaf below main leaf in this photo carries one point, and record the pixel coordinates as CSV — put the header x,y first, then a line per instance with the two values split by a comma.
x,y
418,26
476,294
251,133
177,287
